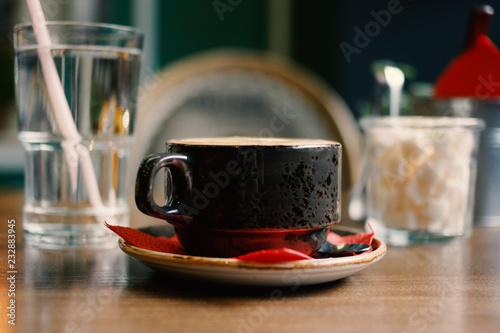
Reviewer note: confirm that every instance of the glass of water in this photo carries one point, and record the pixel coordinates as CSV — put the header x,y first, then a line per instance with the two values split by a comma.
x,y
99,68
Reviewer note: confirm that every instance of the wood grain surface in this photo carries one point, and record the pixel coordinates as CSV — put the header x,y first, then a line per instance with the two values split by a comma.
x,y
452,287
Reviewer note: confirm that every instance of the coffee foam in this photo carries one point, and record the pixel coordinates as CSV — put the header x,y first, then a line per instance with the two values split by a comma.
x,y
253,141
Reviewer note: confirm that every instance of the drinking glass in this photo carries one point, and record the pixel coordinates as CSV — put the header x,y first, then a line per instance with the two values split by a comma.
x,y
421,177
99,68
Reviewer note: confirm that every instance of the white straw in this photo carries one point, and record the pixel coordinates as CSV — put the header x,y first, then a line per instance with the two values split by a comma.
x,y
60,105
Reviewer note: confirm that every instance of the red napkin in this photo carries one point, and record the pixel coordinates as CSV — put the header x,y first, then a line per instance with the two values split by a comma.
x,y
148,242
474,73
172,245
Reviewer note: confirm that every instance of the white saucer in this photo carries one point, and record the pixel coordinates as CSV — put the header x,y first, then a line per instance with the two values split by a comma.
x,y
233,271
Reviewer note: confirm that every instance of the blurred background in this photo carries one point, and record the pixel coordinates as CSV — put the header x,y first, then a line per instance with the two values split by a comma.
x,y
329,38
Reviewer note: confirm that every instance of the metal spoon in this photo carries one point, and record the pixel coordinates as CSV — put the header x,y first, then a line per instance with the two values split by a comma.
x,y
329,250
395,80
388,76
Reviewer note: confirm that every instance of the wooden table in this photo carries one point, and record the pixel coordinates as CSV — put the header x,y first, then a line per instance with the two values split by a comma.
x,y
453,287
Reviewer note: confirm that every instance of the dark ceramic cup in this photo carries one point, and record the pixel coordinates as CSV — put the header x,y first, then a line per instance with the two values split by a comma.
x,y
231,196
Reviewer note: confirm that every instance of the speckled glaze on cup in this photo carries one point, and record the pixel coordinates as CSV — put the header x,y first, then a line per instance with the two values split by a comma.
x,y
230,196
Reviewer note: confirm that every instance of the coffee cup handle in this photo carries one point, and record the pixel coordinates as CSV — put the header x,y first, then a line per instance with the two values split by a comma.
x,y
178,165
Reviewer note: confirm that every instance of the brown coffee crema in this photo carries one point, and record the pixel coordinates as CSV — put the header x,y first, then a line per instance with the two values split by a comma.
x,y
252,141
